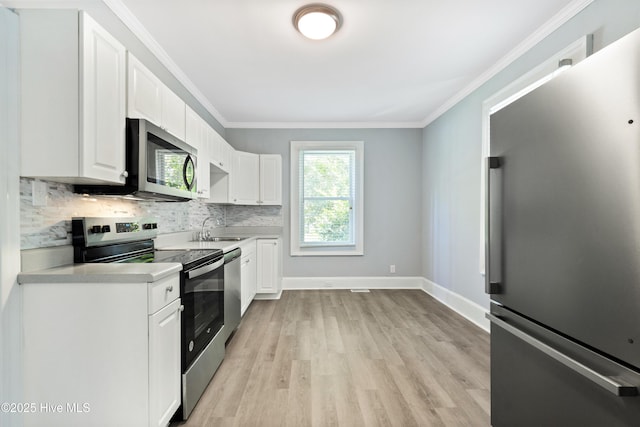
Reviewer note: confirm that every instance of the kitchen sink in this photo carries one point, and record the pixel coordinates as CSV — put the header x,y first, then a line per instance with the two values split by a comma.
x,y
222,239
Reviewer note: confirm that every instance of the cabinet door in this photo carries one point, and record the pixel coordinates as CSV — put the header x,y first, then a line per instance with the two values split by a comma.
x,y
220,152
144,92
245,178
197,135
268,266
270,179
173,113
103,88
164,364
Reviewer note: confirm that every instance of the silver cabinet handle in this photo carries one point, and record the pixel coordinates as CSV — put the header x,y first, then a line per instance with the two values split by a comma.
x,y
125,174
182,308
493,227
616,387
170,288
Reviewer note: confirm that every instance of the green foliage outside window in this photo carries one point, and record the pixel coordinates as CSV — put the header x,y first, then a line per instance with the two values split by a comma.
x,y
327,196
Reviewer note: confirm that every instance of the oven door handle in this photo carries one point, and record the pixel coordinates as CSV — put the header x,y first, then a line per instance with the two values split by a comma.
x,y
204,270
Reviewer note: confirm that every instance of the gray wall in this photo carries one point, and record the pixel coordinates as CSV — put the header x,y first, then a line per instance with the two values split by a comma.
x,y
452,151
392,187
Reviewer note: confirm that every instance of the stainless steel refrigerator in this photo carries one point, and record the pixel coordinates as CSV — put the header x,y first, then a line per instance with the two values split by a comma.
x,y
564,247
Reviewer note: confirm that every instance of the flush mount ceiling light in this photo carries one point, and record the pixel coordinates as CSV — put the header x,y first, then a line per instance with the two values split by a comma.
x,y
317,21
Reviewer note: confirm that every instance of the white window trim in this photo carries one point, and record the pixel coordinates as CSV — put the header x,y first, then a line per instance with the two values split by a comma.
x,y
576,51
358,209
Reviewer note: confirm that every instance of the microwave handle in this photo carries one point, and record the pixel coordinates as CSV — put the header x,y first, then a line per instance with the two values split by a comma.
x,y
188,160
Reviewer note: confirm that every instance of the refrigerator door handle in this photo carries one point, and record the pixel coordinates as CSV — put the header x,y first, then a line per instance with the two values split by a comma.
x,y
616,387
493,228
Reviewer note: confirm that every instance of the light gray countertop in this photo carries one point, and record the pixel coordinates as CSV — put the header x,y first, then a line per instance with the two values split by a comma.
x,y
226,246
102,273
55,265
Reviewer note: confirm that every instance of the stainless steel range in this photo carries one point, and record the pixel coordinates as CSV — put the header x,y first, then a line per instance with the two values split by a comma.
x,y
201,290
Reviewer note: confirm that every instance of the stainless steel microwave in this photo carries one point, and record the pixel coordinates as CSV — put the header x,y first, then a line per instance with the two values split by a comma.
x,y
159,166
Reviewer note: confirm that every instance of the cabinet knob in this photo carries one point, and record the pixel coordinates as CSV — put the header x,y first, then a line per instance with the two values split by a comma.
x,y
170,288
125,174
182,308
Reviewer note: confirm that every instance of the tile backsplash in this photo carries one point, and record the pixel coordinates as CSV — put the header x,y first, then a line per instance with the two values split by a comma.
x,y
50,225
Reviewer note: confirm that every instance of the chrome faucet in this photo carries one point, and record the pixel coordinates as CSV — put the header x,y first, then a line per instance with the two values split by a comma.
x,y
203,235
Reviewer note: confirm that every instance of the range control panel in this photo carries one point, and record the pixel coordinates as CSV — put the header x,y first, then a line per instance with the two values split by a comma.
x,y
97,231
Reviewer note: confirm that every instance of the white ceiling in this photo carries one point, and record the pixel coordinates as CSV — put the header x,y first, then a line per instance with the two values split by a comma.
x,y
393,62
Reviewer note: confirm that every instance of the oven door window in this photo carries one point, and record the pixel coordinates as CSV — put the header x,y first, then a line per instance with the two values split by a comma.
x,y
169,165
203,316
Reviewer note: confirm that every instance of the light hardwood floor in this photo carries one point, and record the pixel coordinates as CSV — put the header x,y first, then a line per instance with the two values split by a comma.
x,y
337,358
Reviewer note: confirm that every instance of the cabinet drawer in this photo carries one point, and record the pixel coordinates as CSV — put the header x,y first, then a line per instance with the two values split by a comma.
x,y
163,292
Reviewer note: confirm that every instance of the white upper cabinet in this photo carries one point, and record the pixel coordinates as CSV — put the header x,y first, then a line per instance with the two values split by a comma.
x,y
173,113
270,179
148,98
256,179
221,152
144,92
245,179
198,136
73,98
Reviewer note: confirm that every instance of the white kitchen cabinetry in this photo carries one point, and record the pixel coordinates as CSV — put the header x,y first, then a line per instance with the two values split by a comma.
x,y
269,268
173,113
256,179
270,179
73,98
102,353
148,98
164,362
144,90
245,178
221,152
248,272
197,135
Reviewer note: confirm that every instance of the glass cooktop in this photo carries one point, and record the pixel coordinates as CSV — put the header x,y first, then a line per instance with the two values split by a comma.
x,y
185,257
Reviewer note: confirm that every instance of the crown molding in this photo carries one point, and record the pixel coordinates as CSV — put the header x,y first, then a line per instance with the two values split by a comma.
x,y
136,27
324,125
540,34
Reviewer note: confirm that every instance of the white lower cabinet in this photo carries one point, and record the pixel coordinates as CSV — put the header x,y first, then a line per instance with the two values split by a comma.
x,y
269,267
248,272
101,354
164,361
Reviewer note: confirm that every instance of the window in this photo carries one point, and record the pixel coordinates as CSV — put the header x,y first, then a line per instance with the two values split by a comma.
x,y
326,198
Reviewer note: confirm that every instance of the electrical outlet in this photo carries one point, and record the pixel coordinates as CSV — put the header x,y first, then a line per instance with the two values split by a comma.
x,y
392,268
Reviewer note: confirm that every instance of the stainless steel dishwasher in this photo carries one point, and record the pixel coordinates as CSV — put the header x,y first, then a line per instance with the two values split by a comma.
x,y
231,291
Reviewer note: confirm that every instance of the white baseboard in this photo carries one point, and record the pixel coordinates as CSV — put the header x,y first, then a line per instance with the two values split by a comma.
x,y
276,295
461,305
384,282
471,311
